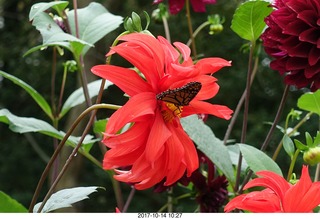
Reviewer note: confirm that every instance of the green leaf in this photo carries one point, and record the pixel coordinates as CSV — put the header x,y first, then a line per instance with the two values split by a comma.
x,y
94,22
257,160
10,205
37,8
300,145
209,144
33,93
28,124
288,145
310,102
77,97
52,34
100,126
248,20
65,198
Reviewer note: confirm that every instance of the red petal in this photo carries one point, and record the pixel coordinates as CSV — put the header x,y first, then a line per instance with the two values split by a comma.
x,y
198,107
272,181
211,65
292,200
258,202
119,76
184,50
138,106
159,134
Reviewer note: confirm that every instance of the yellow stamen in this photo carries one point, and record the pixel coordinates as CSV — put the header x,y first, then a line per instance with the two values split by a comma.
x,y
170,111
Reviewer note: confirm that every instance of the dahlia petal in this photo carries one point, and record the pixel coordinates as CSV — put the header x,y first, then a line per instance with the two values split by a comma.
x,y
175,6
150,46
312,71
190,153
199,5
294,28
115,159
314,56
295,63
311,199
271,181
209,87
158,135
184,50
171,53
136,135
310,35
293,197
119,76
136,108
198,107
309,17
211,65
264,201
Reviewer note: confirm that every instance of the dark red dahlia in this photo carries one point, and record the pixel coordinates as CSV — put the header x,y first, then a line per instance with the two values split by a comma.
x,y
293,39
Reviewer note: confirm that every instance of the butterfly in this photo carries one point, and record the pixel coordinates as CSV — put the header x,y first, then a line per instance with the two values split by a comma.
x,y
181,96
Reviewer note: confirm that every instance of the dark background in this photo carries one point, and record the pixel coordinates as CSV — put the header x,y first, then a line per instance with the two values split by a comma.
x,y
20,164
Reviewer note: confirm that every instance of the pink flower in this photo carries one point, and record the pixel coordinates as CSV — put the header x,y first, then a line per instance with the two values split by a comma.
x,y
279,195
176,5
292,38
156,147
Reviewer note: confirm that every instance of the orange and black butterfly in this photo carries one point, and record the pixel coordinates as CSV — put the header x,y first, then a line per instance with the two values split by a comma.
x,y
181,96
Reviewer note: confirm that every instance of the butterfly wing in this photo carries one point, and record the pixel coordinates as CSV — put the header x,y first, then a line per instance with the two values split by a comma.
x,y
181,96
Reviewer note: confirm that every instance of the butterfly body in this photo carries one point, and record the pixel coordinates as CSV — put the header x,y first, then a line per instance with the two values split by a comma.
x,y
181,96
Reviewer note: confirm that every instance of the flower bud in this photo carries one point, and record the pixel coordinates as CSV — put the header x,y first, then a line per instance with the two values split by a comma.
x,y
312,156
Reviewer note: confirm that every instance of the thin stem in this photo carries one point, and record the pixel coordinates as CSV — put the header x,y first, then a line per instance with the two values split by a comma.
x,y
276,119
277,151
239,105
170,200
245,113
53,81
266,141
203,25
64,79
60,146
166,28
316,176
129,199
293,161
188,14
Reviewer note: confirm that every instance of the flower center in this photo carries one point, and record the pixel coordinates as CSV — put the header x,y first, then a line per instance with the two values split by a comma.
x,y
170,111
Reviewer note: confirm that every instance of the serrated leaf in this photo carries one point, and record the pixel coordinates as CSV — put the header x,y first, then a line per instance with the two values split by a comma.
x,y
28,124
209,144
33,93
65,198
257,160
310,102
94,22
42,6
10,205
248,20
77,97
288,145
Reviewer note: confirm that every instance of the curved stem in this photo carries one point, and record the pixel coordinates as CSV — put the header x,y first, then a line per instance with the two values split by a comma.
x,y
277,151
60,146
293,162
203,25
188,14
129,199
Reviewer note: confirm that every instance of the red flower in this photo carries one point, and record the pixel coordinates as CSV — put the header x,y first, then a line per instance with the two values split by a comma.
x,y
176,5
279,195
292,38
156,146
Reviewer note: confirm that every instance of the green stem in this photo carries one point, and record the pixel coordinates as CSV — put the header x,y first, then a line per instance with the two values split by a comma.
x,y
166,28
188,14
245,113
293,161
279,147
202,26
59,148
63,84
